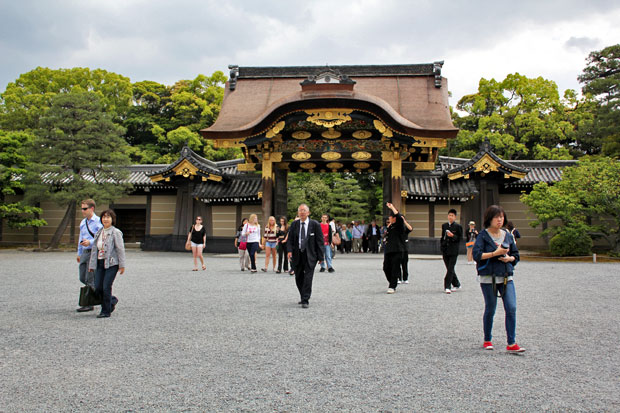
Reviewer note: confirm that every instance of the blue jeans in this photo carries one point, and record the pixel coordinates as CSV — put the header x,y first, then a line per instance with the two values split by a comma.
x,y
104,278
252,247
328,256
509,297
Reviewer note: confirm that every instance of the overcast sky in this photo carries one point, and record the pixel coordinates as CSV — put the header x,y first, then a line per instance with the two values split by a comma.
x,y
166,41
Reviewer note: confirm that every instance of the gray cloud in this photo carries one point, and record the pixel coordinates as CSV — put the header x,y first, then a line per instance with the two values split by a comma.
x,y
168,41
583,44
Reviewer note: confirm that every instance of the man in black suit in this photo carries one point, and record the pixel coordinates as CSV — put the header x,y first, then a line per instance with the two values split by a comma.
x,y
451,235
373,233
305,249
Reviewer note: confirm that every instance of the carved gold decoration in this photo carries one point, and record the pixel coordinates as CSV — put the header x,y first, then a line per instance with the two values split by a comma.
x,y
361,156
301,134
275,130
361,165
331,134
362,134
157,178
403,194
486,165
330,156
308,165
185,169
246,167
334,165
260,194
382,128
301,156
329,117
397,168
424,166
228,143
212,177
430,142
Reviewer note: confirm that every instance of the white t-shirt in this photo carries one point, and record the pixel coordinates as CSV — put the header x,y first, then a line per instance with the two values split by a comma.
x,y
253,232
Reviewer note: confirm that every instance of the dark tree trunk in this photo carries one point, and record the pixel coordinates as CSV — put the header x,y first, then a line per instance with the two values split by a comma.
x,y
72,234
63,225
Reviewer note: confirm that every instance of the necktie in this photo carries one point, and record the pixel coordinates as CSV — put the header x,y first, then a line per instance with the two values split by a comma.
x,y
302,237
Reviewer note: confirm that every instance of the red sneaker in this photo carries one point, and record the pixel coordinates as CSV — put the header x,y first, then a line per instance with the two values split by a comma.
x,y
487,345
515,349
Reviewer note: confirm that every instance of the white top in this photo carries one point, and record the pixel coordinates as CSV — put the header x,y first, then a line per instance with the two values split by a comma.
x,y
253,232
304,228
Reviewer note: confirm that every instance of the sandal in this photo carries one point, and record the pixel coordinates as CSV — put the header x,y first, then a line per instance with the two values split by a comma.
x,y
263,269
204,267
195,269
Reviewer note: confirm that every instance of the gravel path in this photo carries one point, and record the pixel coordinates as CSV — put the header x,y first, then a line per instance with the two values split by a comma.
x,y
225,340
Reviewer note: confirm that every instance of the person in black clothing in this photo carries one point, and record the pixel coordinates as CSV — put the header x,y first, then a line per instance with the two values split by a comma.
x,y
305,247
394,247
197,237
374,235
451,234
282,251
404,262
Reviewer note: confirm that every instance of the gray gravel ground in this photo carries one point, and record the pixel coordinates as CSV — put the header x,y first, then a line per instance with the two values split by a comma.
x,y
225,340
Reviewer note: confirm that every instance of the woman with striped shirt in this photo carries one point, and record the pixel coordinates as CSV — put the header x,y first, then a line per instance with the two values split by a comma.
x,y
270,242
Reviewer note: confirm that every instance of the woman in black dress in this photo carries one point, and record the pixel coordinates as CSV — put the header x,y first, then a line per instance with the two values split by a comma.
x,y
197,237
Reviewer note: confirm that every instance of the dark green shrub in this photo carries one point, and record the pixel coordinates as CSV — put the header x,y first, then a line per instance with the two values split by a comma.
x,y
571,240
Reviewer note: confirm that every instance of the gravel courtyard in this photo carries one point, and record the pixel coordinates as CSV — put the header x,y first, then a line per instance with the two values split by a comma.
x,y
225,340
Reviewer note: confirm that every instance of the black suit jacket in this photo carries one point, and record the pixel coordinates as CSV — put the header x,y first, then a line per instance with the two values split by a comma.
x,y
314,242
450,245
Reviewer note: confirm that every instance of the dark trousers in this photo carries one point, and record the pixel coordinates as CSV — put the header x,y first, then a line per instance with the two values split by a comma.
x,y
303,277
365,243
391,267
451,279
104,278
282,257
252,248
404,264
374,243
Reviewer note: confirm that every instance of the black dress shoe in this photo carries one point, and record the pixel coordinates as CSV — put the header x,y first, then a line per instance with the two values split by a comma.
x,y
84,309
331,270
322,269
300,303
113,304
305,305
103,315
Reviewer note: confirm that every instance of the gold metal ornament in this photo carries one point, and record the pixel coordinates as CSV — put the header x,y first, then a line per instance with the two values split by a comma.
x,y
331,134
301,156
334,165
382,128
329,117
275,130
361,156
362,134
361,165
301,134
330,156
308,165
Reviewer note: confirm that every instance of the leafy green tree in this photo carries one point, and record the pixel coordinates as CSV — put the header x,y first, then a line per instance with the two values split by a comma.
x,y
347,200
27,99
586,201
79,154
13,164
523,118
308,188
601,79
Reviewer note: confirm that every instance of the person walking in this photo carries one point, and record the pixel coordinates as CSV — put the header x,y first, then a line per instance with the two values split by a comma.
x,y
305,247
252,231
326,229
515,232
357,237
197,237
282,240
496,255
242,246
394,248
472,233
451,234
106,260
270,242
90,225
345,235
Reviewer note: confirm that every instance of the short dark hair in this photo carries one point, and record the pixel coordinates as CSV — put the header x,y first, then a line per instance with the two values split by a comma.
x,y
109,213
492,212
452,211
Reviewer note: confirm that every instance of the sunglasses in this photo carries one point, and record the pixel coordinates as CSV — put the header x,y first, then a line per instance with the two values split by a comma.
x,y
84,209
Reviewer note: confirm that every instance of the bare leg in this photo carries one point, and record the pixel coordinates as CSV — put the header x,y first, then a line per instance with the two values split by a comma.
x,y
202,261
195,254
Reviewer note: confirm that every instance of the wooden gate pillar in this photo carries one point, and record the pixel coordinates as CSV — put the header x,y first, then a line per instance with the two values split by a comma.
x,y
267,192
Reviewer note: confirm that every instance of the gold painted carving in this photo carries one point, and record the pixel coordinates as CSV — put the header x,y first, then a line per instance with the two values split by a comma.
x,y
361,165
382,128
362,134
403,194
329,117
260,194
331,134
275,130
334,165
246,167
212,177
308,165
301,134
330,156
361,156
228,143
424,166
301,156
157,178
185,169
397,168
